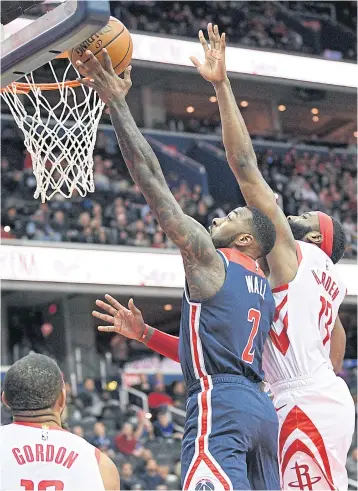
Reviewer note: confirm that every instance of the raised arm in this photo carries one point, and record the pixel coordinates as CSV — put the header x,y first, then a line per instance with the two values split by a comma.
x,y
242,159
204,268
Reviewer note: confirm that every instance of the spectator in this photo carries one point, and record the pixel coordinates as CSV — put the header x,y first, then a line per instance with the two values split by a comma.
x,y
159,397
100,440
164,427
127,479
179,394
151,478
170,480
90,398
127,440
78,430
143,459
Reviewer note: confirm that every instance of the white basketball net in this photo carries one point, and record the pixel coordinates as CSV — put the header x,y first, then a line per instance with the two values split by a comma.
x,y
60,139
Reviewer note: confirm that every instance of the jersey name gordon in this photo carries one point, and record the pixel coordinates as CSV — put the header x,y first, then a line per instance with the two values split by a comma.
x,y
256,285
327,282
44,453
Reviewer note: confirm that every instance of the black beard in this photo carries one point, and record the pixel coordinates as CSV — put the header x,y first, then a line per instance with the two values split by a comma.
x,y
299,231
223,242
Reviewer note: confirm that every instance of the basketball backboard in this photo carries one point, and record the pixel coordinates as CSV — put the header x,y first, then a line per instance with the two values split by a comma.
x,y
39,41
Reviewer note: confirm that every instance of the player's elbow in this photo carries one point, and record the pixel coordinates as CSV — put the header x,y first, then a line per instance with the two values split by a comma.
x,y
337,364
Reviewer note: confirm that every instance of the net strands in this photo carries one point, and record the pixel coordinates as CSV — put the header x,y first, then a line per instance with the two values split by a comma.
x,y
60,137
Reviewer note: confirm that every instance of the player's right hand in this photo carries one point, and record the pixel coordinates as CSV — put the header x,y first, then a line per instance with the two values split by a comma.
x,y
213,69
128,322
103,79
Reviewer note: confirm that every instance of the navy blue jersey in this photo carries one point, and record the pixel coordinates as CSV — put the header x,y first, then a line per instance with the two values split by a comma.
x,y
226,333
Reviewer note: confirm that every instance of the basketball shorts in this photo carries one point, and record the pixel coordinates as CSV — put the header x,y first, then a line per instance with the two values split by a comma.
x,y
316,417
230,437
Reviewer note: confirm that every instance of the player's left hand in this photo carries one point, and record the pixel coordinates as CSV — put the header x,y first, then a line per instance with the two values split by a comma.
x,y
213,69
103,79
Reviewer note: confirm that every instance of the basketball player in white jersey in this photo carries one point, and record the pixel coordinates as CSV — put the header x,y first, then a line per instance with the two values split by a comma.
x,y
36,454
314,407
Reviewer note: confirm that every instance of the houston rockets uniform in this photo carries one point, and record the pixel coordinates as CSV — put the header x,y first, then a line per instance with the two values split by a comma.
x,y
314,407
230,438
34,457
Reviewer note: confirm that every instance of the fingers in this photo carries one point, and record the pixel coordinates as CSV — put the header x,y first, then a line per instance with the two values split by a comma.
x,y
203,41
216,38
107,328
195,62
133,308
87,82
127,74
92,67
223,43
104,306
103,317
211,36
107,62
114,302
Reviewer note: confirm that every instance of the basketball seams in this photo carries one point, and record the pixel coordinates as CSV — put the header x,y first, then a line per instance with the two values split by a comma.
x,y
111,41
129,48
125,56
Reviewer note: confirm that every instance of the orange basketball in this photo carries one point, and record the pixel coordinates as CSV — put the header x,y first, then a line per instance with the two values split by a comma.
x,y
115,38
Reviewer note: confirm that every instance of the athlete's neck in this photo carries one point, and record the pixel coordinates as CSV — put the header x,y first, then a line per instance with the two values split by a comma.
x,y
49,418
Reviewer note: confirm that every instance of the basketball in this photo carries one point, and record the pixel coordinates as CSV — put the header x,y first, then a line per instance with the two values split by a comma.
x,y
115,38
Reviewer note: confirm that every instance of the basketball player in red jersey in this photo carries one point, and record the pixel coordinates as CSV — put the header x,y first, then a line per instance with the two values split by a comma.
x,y
36,454
314,407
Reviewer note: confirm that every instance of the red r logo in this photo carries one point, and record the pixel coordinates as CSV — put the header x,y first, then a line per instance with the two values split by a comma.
x,y
304,479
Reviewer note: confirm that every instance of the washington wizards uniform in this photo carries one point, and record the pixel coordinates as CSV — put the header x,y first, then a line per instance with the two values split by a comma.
x,y
230,438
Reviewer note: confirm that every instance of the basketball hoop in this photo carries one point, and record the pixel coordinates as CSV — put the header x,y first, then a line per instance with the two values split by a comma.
x,y
61,136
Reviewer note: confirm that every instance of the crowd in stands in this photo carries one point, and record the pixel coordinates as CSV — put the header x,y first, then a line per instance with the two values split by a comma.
x,y
252,24
117,214
144,446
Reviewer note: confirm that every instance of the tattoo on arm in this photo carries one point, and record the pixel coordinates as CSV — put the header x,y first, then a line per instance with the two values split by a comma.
x,y
193,240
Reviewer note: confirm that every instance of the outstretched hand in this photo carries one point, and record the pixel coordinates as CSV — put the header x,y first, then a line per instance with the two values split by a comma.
x,y
128,322
103,79
213,69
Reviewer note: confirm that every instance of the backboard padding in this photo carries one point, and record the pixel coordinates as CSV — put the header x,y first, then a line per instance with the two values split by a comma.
x,y
55,32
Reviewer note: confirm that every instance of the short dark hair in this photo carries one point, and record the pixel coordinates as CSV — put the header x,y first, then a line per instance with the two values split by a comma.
x,y
33,383
263,230
339,241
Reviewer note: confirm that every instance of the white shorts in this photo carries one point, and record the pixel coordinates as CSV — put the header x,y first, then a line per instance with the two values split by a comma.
x,y
316,424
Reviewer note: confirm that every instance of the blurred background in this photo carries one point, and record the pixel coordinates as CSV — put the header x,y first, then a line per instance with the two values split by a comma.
x,y
57,258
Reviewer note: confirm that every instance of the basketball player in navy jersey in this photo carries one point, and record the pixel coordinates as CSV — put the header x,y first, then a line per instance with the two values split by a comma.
x,y
230,435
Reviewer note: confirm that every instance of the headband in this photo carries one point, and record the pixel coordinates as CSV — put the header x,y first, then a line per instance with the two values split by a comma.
x,y
326,229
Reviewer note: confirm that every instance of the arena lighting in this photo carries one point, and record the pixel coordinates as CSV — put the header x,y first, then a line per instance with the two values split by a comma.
x,y
168,306
213,98
315,119
6,228
112,385
314,110
281,108
190,109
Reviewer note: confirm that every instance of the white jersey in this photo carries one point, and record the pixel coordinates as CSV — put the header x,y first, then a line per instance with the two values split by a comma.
x,y
35,458
306,309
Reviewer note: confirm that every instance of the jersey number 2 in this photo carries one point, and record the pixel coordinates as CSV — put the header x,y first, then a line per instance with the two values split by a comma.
x,y
42,486
253,316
